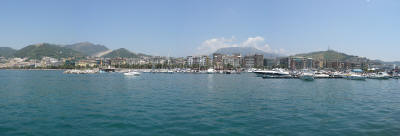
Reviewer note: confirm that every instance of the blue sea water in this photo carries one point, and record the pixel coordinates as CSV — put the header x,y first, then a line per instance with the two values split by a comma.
x,y
50,103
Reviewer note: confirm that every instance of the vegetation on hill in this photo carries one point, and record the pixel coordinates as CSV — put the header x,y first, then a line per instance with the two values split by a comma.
x,y
121,53
38,51
87,48
7,52
328,55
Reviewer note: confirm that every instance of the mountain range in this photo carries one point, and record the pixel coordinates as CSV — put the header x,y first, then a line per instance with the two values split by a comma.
x,y
247,51
38,51
82,49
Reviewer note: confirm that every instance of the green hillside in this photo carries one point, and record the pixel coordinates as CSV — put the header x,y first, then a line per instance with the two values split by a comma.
x,y
38,51
328,55
7,52
121,53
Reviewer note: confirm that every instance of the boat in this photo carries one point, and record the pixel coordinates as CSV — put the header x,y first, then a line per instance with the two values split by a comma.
x,y
321,75
170,71
132,73
211,71
396,76
307,76
380,75
337,75
353,76
76,71
275,73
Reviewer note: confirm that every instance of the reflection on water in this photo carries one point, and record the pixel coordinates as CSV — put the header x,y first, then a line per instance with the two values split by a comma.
x,y
210,79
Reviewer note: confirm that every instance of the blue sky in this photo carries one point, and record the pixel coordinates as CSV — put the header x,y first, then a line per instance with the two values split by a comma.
x,y
369,28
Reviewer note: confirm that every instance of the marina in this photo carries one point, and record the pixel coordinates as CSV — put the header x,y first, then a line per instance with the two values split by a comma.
x,y
308,75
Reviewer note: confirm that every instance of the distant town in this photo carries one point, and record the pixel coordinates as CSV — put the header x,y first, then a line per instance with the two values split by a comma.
x,y
122,58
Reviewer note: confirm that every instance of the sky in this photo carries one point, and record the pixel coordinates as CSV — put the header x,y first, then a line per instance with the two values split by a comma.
x,y
368,28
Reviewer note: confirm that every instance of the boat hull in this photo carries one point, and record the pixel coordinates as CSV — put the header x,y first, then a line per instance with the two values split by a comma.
x,y
307,78
355,77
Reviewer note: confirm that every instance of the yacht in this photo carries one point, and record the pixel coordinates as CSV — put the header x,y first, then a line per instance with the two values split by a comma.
x,y
275,73
353,76
380,75
321,75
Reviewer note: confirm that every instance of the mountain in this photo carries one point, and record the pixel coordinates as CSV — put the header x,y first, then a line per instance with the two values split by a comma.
x,y
333,56
87,48
122,53
7,52
38,51
246,51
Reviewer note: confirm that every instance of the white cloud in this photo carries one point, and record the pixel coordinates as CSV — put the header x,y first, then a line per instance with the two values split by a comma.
x,y
258,42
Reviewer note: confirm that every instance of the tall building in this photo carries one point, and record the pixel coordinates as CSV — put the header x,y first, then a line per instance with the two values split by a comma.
x,y
253,61
284,62
233,60
258,61
189,60
217,61
300,63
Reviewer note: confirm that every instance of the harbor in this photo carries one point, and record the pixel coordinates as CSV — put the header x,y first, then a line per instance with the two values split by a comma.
x,y
309,75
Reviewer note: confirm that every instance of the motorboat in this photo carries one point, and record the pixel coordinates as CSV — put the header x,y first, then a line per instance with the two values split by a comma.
x,y
353,76
321,75
380,75
132,73
307,76
275,73
337,75
211,71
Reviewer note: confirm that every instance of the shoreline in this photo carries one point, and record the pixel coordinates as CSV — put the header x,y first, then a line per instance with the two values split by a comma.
x,y
35,69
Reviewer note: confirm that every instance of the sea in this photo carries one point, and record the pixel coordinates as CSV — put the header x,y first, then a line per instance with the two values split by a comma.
x,y
50,103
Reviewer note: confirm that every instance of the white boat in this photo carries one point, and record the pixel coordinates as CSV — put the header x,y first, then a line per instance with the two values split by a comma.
x,y
380,75
337,75
275,73
307,76
353,76
211,71
132,73
320,75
